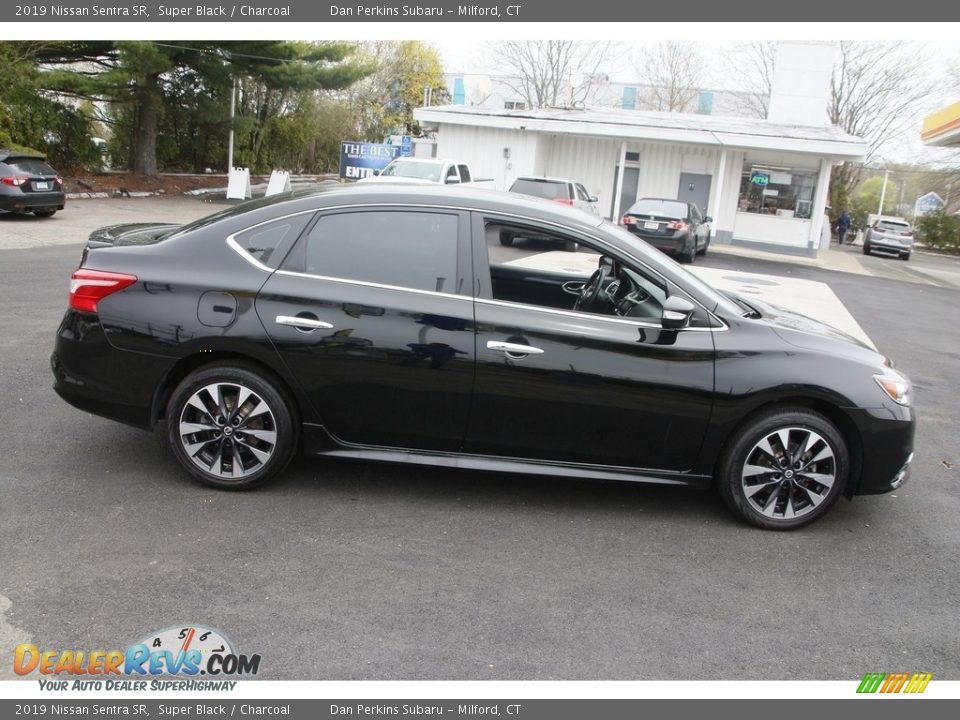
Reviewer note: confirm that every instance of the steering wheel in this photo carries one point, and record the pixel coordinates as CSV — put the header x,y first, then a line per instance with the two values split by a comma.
x,y
591,291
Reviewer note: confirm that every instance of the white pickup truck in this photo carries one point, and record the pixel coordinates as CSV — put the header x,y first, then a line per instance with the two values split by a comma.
x,y
422,171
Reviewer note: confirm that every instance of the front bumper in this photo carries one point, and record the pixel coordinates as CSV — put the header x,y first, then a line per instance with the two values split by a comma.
x,y
886,436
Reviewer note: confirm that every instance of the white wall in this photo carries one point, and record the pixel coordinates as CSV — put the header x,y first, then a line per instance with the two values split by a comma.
x,y
801,82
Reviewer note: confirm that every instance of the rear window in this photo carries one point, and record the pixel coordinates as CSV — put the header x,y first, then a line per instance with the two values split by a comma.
x,y
895,225
549,189
659,208
29,166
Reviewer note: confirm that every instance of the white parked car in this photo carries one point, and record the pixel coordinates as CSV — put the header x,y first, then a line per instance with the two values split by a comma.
x,y
561,190
889,235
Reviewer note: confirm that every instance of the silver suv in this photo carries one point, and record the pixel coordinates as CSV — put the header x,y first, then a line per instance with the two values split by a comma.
x,y
889,235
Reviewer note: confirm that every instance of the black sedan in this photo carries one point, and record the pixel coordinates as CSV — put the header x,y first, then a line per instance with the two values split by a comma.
x,y
672,226
28,184
370,322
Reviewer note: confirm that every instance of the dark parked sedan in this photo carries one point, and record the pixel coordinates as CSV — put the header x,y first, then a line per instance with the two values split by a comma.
x,y
672,226
28,184
370,322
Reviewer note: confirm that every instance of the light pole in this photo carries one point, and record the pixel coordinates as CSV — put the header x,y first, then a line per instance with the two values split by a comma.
x,y
233,110
883,192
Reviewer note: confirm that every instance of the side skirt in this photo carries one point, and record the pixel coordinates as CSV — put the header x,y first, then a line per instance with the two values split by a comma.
x,y
317,441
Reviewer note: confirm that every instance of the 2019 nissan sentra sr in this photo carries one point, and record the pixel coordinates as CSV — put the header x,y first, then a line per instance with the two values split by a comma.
x,y
376,322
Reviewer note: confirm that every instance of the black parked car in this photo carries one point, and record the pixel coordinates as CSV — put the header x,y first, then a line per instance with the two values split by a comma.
x,y
672,226
369,322
28,184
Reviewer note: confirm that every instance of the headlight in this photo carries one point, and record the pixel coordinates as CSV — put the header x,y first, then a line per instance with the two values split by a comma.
x,y
895,385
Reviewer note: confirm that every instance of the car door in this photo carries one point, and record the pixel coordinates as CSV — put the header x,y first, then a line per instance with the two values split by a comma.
x,y
576,387
371,313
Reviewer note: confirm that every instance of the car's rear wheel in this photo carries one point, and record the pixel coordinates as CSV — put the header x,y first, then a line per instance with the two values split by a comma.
x,y
783,469
506,238
905,256
231,426
690,255
866,248
44,213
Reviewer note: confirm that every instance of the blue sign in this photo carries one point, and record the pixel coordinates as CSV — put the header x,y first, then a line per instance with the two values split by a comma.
x,y
406,146
760,178
360,159
928,203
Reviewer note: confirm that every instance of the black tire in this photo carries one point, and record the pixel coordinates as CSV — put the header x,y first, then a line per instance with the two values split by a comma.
x,y
706,246
690,256
905,256
789,487
506,238
44,213
866,248
260,434
570,246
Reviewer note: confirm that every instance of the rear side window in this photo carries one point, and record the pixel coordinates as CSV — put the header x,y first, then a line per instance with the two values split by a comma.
x,y
540,188
406,249
464,173
30,166
268,243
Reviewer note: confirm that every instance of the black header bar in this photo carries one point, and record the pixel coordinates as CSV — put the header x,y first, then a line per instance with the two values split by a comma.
x,y
491,11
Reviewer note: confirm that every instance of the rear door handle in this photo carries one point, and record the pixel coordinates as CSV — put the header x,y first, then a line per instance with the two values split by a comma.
x,y
513,349
303,323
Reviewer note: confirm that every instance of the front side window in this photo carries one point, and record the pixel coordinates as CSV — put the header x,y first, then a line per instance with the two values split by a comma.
x,y
401,248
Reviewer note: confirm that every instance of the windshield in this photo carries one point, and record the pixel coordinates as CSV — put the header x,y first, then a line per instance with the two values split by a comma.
x,y
30,166
413,169
893,225
712,298
659,208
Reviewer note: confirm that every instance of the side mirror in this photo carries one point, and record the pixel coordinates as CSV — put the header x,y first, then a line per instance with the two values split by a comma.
x,y
452,181
594,198
676,313
376,172
707,218
606,262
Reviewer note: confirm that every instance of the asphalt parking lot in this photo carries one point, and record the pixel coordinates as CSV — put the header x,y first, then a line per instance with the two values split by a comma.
x,y
362,571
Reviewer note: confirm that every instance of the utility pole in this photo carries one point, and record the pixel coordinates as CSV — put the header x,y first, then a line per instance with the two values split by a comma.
x,y
883,193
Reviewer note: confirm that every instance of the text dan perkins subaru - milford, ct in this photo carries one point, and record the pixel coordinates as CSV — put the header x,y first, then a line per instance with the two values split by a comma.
x,y
380,322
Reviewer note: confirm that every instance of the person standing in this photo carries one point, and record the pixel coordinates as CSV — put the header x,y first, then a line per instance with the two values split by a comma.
x,y
843,225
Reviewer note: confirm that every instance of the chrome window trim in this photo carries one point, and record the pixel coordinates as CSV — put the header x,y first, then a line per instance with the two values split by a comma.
x,y
235,246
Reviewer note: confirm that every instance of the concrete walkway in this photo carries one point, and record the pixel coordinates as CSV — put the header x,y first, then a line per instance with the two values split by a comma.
x,y
830,259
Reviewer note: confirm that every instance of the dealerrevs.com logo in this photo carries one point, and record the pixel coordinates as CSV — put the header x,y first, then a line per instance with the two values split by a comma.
x,y
184,652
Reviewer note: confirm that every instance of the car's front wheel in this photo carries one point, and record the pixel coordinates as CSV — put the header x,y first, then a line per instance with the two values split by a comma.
x,y
230,426
784,468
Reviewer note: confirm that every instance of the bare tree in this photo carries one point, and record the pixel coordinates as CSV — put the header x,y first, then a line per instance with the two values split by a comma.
x,y
673,75
750,65
876,92
542,71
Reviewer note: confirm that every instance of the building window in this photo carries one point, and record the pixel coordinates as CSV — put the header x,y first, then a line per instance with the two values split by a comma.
x,y
705,103
459,92
514,105
781,191
629,98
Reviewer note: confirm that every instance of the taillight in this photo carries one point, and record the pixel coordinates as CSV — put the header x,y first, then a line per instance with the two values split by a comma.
x,y
59,180
908,233
628,220
88,287
677,225
13,180
564,201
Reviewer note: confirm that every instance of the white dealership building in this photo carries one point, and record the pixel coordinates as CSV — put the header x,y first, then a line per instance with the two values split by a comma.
x,y
763,181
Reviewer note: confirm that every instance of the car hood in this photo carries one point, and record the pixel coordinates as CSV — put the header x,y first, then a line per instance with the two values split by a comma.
x,y
130,234
805,332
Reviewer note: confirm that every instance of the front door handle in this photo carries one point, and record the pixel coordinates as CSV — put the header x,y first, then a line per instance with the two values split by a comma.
x,y
513,349
303,324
